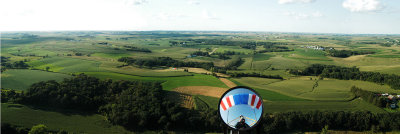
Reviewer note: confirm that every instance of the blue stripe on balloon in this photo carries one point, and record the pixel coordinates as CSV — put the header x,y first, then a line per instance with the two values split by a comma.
x,y
241,99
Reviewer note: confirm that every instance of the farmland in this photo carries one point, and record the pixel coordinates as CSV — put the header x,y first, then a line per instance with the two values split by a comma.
x,y
194,79
21,79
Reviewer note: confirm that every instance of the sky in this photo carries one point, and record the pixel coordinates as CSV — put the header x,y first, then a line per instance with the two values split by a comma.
x,y
311,16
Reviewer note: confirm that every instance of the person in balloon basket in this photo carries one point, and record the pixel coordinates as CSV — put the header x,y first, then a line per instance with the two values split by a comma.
x,y
242,123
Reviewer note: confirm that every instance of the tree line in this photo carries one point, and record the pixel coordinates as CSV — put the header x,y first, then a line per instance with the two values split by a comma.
x,y
335,120
349,73
136,49
347,53
15,65
200,53
225,55
370,97
273,47
253,74
169,62
165,61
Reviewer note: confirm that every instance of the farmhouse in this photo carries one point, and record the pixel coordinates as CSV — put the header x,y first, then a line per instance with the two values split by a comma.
x,y
316,47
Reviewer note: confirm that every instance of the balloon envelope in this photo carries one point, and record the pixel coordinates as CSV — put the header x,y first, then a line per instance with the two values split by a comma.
x,y
241,108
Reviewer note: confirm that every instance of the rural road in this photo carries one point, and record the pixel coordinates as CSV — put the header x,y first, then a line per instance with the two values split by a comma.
x,y
227,82
213,51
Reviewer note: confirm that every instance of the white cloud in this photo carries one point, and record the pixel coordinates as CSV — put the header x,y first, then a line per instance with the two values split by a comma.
x,y
209,15
194,2
294,1
362,5
300,16
135,2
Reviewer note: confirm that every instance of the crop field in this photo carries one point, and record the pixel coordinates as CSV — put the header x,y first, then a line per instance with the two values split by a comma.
x,y
270,95
169,83
206,102
354,105
21,79
66,65
102,54
303,87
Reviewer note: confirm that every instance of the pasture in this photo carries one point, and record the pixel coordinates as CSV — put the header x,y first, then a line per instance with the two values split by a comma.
x,y
21,79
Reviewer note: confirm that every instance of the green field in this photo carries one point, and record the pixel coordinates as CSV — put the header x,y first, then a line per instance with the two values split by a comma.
x,y
21,79
354,105
96,54
202,102
286,106
67,65
268,94
169,83
25,116
302,87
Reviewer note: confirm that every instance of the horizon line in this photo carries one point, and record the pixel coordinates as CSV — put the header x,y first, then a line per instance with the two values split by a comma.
x,y
237,31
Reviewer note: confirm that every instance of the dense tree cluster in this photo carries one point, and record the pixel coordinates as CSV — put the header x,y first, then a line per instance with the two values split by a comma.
x,y
7,128
274,47
225,55
146,107
9,95
81,92
165,61
136,49
78,54
347,53
370,97
346,73
200,53
234,63
249,45
228,53
16,65
316,120
193,42
133,104
253,74
386,44
274,50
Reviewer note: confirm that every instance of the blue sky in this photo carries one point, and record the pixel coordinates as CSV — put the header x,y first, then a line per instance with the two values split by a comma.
x,y
321,16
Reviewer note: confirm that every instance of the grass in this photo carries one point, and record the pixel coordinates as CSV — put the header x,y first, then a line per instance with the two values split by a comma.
x,y
200,104
385,56
67,64
169,83
285,106
21,79
111,66
269,95
308,54
111,55
354,105
25,116
262,57
302,87
201,101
